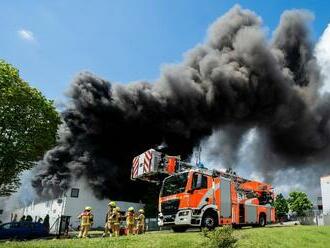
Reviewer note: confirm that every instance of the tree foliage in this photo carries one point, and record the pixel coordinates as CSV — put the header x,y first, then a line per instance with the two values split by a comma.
x,y
281,206
28,126
150,199
299,203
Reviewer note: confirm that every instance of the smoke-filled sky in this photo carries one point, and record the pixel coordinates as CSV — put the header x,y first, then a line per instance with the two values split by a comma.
x,y
252,102
252,92
284,180
50,41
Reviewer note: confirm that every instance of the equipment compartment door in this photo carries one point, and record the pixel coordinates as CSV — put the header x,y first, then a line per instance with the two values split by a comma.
x,y
251,214
225,198
241,213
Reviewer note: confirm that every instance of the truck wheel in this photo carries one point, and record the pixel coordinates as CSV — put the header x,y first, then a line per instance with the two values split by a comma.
x,y
209,221
262,220
179,229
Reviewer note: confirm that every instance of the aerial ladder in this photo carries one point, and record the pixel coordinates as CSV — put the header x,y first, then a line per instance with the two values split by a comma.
x,y
153,166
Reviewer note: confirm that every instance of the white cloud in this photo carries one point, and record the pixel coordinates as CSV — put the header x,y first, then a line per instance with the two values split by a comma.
x,y
322,53
26,35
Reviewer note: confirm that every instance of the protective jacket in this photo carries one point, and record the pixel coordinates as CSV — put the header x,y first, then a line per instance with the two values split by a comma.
x,y
140,219
109,215
115,218
130,218
86,218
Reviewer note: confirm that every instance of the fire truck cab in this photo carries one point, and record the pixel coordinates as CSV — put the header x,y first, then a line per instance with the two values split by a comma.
x,y
198,197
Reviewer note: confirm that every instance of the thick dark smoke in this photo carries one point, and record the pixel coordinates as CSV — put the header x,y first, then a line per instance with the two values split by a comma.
x,y
221,149
235,81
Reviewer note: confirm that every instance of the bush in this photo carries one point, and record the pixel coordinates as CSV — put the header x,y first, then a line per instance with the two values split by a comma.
x,y
220,237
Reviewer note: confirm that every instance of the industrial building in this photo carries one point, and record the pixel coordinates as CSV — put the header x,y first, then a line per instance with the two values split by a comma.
x,y
325,190
68,207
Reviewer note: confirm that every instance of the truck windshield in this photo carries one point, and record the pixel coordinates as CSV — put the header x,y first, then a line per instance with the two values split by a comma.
x,y
174,184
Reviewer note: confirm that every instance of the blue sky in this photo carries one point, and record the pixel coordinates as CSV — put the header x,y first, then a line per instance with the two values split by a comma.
x,y
51,41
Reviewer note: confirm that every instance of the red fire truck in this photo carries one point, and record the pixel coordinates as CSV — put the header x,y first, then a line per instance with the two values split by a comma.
x,y
192,196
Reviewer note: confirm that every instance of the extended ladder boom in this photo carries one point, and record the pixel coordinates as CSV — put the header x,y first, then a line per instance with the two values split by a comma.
x,y
153,166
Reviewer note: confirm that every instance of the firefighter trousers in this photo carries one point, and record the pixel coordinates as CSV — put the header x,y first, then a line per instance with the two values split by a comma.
x,y
130,229
139,229
84,231
116,229
108,228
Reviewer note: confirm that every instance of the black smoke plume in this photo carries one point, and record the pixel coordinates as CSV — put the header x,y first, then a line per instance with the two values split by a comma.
x,y
235,81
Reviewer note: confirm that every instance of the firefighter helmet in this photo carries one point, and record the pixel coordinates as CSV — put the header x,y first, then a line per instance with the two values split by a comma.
x,y
117,209
130,209
141,211
88,208
112,204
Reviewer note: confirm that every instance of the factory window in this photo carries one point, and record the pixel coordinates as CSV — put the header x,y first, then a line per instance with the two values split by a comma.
x,y
1,211
74,193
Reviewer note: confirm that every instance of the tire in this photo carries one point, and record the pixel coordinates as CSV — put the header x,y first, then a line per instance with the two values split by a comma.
x,y
210,220
262,220
179,229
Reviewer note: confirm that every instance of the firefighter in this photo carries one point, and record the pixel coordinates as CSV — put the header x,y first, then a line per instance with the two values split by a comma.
x,y
108,227
140,222
115,217
86,220
130,221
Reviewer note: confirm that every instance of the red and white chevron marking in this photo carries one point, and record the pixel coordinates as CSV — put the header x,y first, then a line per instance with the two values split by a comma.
x,y
147,161
135,167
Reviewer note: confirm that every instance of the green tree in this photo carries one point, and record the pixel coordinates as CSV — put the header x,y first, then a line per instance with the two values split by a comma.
x,y
150,200
281,206
28,126
299,202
